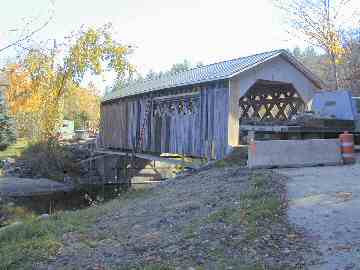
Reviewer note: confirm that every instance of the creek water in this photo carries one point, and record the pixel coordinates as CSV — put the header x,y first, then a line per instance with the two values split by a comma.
x,y
83,197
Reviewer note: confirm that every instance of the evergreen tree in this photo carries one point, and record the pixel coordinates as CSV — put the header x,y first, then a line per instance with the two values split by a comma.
x,y
314,61
7,128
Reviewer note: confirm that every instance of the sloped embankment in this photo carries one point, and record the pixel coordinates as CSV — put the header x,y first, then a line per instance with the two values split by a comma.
x,y
226,217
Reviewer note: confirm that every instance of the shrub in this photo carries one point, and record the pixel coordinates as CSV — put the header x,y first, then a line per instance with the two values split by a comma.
x,y
50,160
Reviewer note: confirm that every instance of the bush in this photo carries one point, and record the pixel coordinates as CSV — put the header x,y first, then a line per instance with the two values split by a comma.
x,y
50,160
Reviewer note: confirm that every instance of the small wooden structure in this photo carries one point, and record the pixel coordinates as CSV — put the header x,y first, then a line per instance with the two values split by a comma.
x,y
198,112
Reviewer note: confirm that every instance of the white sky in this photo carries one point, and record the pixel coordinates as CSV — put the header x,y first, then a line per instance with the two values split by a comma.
x,y
164,31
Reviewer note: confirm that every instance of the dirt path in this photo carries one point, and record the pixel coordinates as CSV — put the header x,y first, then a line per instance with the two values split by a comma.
x,y
325,201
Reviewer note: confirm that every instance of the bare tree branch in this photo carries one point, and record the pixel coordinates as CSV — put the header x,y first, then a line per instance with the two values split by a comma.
x,y
318,23
29,35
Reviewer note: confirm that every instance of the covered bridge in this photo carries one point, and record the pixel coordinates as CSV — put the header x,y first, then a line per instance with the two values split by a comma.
x,y
197,112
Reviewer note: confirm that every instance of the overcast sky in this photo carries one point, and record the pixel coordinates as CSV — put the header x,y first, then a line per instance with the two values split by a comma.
x,y
164,31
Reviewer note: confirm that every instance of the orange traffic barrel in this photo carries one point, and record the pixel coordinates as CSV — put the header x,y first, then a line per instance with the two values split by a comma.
x,y
347,147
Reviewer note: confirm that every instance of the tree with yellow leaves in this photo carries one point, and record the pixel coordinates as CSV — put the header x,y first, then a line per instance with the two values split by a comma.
x,y
83,106
41,81
23,102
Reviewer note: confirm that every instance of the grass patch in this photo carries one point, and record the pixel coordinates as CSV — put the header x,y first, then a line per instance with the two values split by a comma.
x,y
155,267
221,163
259,205
252,267
191,230
11,213
226,215
34,240
14,150
229,163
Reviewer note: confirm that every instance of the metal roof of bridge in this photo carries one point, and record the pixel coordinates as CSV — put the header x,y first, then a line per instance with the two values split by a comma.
x,y
207,73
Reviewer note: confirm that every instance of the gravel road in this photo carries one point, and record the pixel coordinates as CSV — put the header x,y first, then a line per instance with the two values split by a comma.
x,y
325,202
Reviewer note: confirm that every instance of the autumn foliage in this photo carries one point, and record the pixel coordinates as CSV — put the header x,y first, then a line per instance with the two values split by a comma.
x,y
83,106
45,84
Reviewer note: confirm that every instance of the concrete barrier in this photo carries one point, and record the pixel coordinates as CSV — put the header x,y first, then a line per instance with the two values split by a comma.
x,y
294,153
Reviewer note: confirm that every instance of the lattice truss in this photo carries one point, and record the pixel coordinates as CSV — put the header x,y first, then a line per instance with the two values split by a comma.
x,y
269,101
171,106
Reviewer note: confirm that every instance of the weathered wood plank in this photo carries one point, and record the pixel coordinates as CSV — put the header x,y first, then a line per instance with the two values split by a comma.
x,y
189,132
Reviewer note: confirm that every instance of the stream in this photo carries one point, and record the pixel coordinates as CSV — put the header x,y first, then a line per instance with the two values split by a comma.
x,y
15,208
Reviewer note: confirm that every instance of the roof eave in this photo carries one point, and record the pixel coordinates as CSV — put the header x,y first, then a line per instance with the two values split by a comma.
x,y
306,71
309,74
254,65
219,78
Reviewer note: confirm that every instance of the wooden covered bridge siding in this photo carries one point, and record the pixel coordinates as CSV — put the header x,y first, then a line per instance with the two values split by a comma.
x,y
181,121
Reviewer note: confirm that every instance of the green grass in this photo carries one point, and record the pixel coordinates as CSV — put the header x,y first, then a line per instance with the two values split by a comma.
x,y
154,267
260,207
226,215
14,150
256,205
259,204
191,230
221,163
14,214
229,163
34,240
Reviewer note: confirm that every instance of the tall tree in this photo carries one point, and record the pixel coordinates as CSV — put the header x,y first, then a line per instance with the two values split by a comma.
x,y
179,67
49,73
320,23
315,61
350,70
82,104
175,68
7,128
151,75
